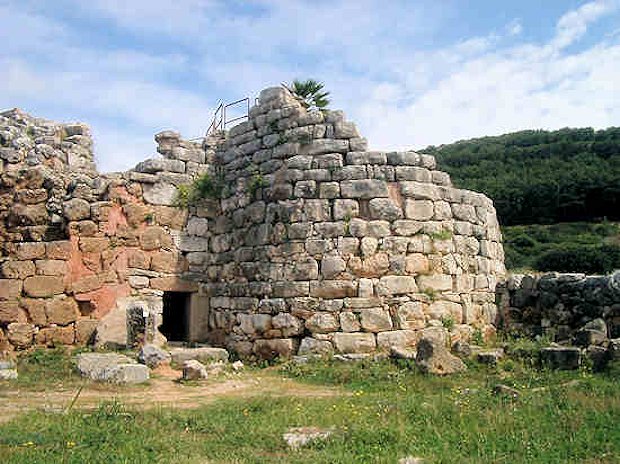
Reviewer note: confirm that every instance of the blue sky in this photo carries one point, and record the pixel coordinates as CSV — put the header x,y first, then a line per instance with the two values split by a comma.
x,y
409,73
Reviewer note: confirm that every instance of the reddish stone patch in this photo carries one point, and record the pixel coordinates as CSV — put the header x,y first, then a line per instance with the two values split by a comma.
x,y
104,298
76,269
116,218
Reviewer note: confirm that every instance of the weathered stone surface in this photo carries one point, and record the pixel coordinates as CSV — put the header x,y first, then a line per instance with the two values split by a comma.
x,y
396,285
10,289
194,370
323,323
561,357
433,358
375,320
364,188
204,355
125,374
313,346
299,437
76,209
61,311
17,269
153,356
274,348
354,342
56,336
21,334
93,365
9,311
44,286
160,194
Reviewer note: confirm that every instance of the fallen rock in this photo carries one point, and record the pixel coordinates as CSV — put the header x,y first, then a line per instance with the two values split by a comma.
x,y
204,355
614,348
598,356
299,437
490,357
125,374
505,390
8,374
561,357
462,349
400,352
434,358
592,333
153,356
237,366
194,370
7,370
93,365
410,460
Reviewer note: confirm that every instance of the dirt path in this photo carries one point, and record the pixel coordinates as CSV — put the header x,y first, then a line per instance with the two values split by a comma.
x,y
162,391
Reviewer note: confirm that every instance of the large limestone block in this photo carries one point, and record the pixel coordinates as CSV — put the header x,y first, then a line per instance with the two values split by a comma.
x,y
54,336
375,320
348,343
17,269
419,210
92,365
274,348
313,346
398,338
76,209
333,289
160,193
364,188
61,311
410,315
396,285
322,323
30,250
21,334
9,312
385,209
435,282
203,354
10,289
434,358
44,286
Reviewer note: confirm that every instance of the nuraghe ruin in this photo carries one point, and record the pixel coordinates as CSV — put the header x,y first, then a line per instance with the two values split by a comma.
x,y
315,245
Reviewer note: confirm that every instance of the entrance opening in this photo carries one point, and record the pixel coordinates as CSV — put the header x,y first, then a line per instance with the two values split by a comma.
x,y
175,326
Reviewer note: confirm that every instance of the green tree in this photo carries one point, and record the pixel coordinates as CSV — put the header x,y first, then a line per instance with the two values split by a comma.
x,y
310,92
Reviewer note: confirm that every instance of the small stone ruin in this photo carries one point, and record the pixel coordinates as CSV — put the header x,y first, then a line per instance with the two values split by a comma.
x,y
304,241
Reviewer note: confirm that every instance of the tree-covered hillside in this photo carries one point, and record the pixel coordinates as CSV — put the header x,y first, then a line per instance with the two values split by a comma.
x,y
541,177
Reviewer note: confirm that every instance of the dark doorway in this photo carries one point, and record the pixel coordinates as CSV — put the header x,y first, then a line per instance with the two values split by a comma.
x,y
175,325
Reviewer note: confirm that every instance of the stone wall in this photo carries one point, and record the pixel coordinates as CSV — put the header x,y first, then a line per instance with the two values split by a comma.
x,y
313,245
81,252
559,305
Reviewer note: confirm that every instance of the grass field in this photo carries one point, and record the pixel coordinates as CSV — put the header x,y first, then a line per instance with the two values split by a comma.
x,y
381,412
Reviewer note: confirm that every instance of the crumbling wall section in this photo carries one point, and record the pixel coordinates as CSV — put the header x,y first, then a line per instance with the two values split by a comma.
x,y
81,253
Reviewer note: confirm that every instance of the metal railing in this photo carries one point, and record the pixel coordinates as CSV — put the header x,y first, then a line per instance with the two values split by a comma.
x,y
220,120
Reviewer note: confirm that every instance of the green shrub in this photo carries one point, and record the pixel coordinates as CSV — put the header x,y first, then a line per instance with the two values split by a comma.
x,y
202,188
601,259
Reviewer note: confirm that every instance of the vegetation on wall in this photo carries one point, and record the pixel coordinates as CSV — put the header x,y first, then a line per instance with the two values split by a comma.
x,y
540,177
310,92
203,187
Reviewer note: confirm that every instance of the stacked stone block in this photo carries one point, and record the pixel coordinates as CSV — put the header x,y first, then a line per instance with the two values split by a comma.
x,y
320,245
315,244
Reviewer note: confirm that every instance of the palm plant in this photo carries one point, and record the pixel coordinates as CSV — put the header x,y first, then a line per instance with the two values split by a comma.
x,y
310,93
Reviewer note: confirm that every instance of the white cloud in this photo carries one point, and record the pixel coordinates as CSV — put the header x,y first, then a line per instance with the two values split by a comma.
x,y
170,62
